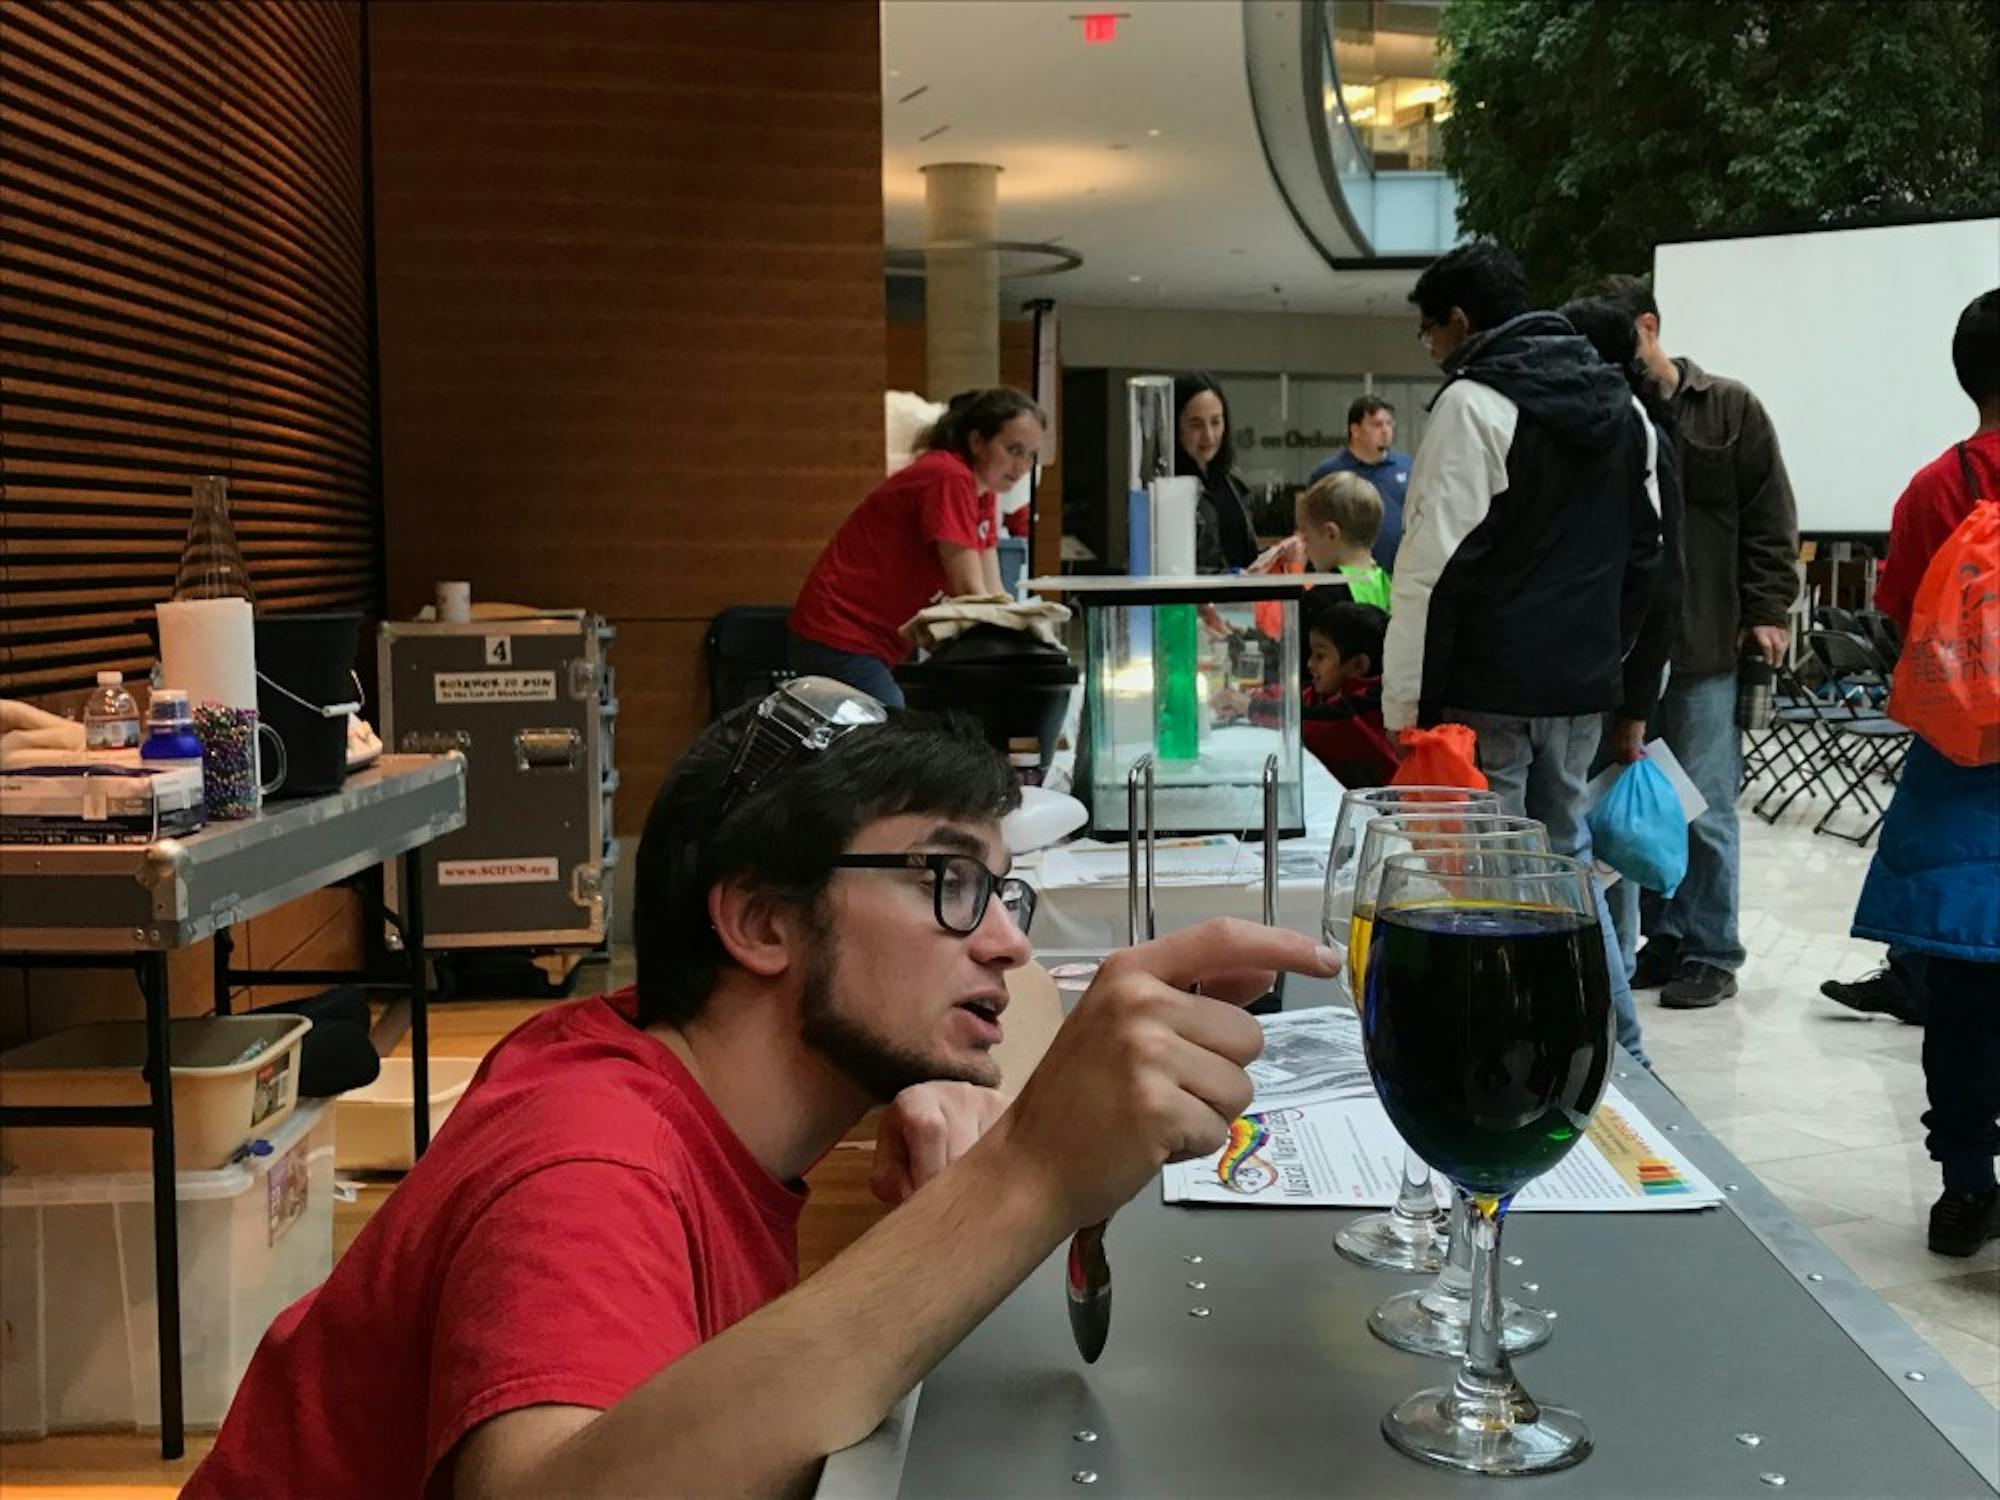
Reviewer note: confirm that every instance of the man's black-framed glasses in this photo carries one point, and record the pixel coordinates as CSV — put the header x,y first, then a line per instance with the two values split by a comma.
x,y
961,887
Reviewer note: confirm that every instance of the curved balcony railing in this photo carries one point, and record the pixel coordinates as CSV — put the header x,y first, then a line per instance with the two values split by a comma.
x,y
1332,173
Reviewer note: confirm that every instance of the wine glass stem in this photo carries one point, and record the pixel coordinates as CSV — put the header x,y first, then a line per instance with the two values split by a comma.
x,y
1416,1201
1487,1376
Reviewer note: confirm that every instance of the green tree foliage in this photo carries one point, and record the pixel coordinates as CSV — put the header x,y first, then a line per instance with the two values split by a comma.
x,y
1584,132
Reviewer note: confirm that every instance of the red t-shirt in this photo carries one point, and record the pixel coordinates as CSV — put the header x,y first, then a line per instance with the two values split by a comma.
x,y
584,1218
1933,506
882,566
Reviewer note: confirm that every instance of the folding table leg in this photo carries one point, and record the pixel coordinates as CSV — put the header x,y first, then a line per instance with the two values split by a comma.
x,y
166,1219
420,1043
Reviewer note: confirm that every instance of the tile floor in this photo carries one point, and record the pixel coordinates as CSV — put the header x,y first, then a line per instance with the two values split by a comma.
x,y
1825,1104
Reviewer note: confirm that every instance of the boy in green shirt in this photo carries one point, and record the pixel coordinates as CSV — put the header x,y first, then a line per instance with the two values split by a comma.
x,y
1339,517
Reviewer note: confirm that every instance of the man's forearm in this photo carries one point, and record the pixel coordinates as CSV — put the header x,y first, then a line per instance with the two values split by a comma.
x,y
754,1409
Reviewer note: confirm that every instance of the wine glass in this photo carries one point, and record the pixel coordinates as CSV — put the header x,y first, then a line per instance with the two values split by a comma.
x,y
1404,1238
1433,1320
1487,1021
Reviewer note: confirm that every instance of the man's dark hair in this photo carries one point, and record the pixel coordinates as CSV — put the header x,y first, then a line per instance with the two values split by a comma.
x,y
983,412
784,837
1975,348
1481,277
1361,408
1631,295
1608,325
1186,388
1355,629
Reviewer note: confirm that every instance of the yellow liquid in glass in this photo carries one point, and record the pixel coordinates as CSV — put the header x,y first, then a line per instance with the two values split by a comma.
x,y
1358,928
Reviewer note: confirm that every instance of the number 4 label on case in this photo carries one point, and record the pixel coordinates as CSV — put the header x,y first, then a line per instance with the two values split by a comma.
x,y
499,650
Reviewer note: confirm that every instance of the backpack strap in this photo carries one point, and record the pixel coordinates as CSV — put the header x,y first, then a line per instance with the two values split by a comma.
x,y
1971,476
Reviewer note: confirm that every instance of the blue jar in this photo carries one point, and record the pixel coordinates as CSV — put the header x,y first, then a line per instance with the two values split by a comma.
x,y
170,728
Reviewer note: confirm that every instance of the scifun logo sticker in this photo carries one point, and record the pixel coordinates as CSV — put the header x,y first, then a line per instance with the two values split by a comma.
x,y
1240,1169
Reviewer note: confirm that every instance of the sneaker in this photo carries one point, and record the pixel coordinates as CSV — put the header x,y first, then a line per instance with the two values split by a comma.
x,y
1962,1222
1659,961
1880,994
1697,987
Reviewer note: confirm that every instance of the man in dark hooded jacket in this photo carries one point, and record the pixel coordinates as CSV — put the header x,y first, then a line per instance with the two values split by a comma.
x,y
1531,549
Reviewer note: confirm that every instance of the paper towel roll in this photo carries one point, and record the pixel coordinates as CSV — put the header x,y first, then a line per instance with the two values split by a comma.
x,y
1174,502
209,648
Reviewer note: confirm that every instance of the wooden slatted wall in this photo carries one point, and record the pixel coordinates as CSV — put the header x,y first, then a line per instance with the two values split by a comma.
x,y
183,290
631,313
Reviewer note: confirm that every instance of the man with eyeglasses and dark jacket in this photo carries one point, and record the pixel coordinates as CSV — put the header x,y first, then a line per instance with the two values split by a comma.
x,y
587,1286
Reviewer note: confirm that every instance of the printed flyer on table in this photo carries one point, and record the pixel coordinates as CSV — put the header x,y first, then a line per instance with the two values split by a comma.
x,y
1317,1137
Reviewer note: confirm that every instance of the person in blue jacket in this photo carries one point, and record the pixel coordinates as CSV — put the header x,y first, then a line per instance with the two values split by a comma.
x,y
1934,884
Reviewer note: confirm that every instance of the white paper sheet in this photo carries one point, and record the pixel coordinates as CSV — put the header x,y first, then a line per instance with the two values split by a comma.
x,y
1313,1139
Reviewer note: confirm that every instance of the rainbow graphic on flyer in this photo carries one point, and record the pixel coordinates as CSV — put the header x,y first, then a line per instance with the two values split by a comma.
x,y
1239,1168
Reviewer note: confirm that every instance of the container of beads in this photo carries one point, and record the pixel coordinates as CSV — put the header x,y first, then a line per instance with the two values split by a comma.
x,y
230,737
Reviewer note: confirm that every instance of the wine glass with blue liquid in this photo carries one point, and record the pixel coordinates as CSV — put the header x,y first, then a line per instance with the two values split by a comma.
x,y
1487,1021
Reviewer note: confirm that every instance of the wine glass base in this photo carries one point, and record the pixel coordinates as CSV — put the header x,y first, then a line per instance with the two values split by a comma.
x,y
1426,1428
1405,1322
1382,1243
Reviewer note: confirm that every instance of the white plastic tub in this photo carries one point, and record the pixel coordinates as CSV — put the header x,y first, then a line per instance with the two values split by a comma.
x,y
81,1349
375,1122
234,1077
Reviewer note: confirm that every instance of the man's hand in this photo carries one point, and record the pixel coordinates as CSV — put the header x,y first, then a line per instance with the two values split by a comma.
x,y
925,1129
1628,740
1771,641
1144,1072
1290,553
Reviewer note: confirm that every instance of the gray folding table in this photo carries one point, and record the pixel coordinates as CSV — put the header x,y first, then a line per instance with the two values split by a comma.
x,y
1717,1352
130,905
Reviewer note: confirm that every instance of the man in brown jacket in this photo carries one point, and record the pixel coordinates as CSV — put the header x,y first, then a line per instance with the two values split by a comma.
x,y
1740,544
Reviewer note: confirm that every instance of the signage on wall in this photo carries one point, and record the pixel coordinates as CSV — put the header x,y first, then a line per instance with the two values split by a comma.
x,y
1291,437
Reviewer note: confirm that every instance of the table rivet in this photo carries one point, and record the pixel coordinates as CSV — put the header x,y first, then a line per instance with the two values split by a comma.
x,y
1814,1276
1084,1476
1674,1128
1202,1312
1193,1260
138,934
1512,1260
1197,1286
1732,1187
1916,1375
1749,1439
1531,1286
1084,1435
1775,1481
1623,1074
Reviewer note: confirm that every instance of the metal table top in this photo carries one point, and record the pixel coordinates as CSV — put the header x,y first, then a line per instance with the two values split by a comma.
x,y
130,898
1678,1332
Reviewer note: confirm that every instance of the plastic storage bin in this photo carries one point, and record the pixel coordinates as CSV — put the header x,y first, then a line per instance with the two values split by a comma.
x,y
234,1077
77,1302
375,1121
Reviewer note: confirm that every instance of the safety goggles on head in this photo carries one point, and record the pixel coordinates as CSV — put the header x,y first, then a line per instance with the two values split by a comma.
x,y
801,716
961,887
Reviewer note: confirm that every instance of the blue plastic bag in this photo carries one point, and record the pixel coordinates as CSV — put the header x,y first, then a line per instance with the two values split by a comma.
x,y
1639,830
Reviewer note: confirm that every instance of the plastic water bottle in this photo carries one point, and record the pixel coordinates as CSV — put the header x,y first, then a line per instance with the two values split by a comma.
x,y
111,717
1755,681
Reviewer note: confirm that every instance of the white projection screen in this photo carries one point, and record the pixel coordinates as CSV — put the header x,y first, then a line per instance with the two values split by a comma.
x,y
1845,336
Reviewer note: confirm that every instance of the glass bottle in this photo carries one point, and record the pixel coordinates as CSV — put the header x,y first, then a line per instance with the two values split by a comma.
x,y
211,564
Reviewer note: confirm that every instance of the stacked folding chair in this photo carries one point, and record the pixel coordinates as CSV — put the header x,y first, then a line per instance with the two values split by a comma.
x,y
1860,743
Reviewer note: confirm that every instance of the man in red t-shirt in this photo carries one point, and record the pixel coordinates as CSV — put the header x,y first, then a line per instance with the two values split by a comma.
x,y
586,1286
927,531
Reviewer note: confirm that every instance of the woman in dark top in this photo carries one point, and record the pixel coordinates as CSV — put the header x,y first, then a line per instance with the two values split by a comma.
x,y
1223,535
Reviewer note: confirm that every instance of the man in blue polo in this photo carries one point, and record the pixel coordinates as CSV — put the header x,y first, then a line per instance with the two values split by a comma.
x,y
1371,453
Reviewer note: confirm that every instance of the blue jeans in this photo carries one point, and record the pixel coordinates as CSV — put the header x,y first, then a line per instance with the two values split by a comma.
x,y
869,673
1697,719
1539,768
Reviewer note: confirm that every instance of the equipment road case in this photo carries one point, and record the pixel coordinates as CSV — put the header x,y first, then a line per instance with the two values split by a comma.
x,y
526,701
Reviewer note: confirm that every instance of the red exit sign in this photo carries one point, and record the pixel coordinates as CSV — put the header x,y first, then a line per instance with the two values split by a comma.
x,y
1101,26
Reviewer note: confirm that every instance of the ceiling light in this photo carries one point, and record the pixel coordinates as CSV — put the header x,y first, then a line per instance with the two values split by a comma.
x,y
1154,134
1135,278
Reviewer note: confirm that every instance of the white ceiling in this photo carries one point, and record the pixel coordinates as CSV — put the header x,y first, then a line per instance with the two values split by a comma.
x,y
1140,154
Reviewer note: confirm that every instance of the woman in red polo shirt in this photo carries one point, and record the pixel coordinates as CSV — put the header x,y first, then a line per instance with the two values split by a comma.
x,y
928,531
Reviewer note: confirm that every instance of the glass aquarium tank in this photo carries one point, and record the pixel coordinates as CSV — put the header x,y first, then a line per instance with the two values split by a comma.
x,y
1203,674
